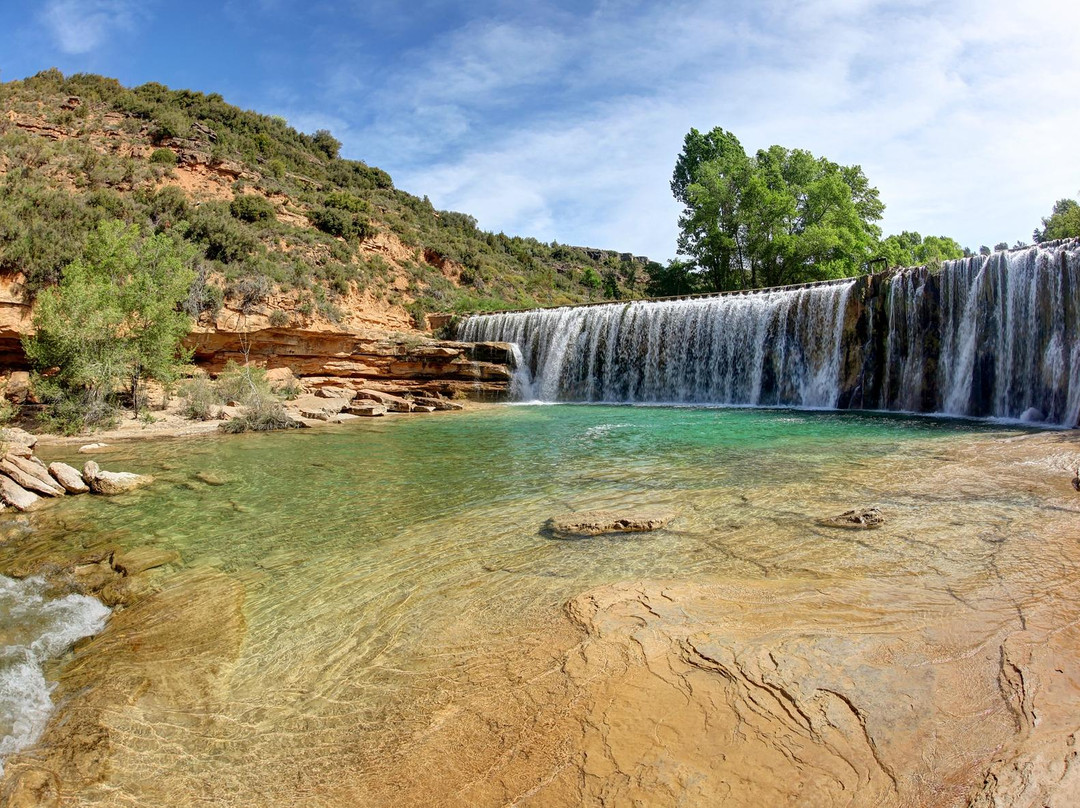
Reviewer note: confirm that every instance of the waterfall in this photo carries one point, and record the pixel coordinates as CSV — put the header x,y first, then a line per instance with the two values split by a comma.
x,y
766,348
986,336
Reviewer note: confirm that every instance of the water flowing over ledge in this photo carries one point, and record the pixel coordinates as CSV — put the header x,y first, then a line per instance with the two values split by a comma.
x,y
987,336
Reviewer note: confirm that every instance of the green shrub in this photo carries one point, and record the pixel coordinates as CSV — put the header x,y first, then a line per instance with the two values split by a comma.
x,y
262,416
278,318
343,223
163,157
201,399
222,237
251,208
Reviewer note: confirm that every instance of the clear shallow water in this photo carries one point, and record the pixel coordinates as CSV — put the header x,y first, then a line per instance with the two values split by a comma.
x,y
395,569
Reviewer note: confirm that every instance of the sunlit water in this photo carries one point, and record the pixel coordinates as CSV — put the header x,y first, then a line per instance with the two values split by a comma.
x,y
390,565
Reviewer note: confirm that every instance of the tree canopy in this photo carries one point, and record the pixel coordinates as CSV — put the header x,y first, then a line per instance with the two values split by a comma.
x,y
113,321
910,249
1063,222
779,217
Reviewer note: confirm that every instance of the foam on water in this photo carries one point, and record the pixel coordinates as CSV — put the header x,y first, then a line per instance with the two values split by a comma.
x,y
33,630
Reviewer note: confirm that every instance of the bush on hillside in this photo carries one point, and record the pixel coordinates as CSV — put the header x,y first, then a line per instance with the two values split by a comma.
x,y
251,208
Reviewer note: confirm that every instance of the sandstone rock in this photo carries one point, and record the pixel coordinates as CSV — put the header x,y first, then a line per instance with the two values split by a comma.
x,y
18,386
595,523
280,377
367,410
392,403
855,520
90,470
90,448
140,559
336,393
69,478
16,496
315,415
438,403
422,408
111,483
18,439
28,476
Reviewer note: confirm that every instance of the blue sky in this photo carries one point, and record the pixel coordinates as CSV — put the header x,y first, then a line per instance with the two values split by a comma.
x,y
562,120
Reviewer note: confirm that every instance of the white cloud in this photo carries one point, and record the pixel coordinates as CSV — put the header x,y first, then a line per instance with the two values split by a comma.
x,y
80,26
962,112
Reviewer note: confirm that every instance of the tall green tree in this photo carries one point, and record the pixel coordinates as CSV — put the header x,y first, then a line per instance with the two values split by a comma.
x,y
1063,222
909,249
782,216
112,322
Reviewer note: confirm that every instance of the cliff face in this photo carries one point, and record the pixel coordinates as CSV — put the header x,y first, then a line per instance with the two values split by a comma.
x,y
361,352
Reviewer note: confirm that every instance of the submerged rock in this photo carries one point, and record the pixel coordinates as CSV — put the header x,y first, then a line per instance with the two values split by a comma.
x,y
595,523
856,519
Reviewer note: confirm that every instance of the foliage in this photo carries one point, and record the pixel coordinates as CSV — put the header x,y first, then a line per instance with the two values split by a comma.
x,y
251,208
165,157
1063,222
201,399
909,249
675,279
782,216
112,321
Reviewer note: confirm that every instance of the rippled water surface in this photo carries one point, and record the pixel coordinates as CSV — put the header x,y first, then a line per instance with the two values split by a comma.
x,y
388,566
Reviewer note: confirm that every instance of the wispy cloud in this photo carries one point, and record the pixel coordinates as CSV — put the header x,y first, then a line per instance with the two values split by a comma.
x,y
81,26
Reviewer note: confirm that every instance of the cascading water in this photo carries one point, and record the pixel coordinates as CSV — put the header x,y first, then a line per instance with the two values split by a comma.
x,y
987,336
780,347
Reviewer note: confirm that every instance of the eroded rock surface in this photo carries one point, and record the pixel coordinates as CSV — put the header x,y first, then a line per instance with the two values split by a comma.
x,y
595,523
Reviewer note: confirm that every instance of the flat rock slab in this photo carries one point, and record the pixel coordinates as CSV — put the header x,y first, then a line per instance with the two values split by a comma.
x,y
367,410
855,520
16,496
595,523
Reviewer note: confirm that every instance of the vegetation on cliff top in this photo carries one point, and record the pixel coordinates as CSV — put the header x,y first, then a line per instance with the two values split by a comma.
x,y
287,214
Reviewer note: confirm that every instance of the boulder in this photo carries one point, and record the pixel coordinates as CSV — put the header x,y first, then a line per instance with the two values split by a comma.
x,y
69,478
90,448
28,476
18,386
90,470
855,520
392,403
18,440
595,523
16,496
110,483
367,409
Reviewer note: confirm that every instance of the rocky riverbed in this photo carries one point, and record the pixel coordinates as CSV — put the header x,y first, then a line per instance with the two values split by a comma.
x,y
959,687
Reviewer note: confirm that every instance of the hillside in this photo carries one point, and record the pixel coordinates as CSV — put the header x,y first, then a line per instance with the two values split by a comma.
x,y
290,234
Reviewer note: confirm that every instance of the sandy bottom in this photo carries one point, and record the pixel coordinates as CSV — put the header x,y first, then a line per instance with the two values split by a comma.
x,y
948,686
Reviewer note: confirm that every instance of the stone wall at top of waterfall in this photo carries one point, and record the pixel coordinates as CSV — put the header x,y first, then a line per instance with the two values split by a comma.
x,y
987,336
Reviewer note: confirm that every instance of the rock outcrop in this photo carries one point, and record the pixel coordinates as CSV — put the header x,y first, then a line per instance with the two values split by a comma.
x,y
595,523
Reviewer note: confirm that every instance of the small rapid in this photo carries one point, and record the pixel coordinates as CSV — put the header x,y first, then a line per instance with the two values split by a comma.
x,y
34,629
